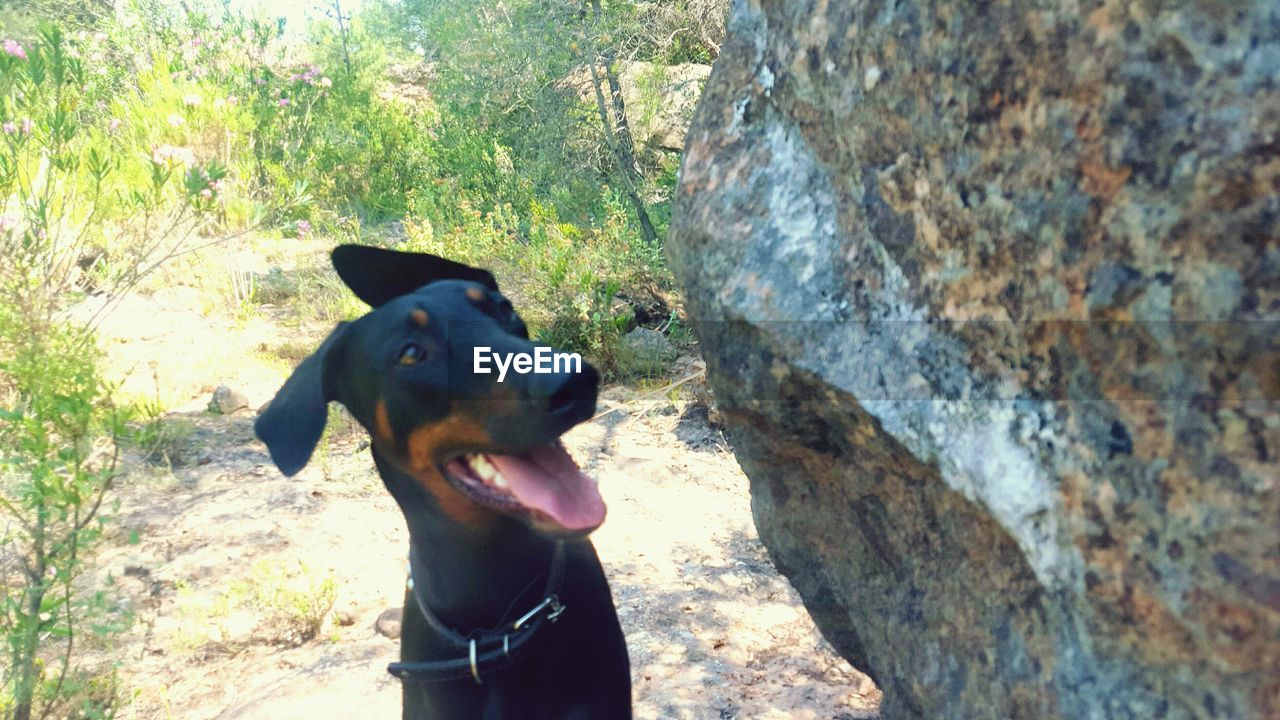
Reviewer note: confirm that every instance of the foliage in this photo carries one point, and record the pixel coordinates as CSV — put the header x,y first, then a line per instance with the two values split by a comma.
x,y
373,150
501,76
565,279
277,603
59,430
54,479
536,168
27,14
296,601
160,439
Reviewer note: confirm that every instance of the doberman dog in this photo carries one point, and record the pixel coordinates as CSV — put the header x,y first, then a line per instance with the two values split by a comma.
x,y
507,614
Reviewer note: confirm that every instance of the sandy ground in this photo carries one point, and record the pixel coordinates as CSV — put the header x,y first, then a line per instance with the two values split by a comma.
x,y
713,631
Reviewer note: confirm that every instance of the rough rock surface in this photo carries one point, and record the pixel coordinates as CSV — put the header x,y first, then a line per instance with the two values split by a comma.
x,y
226,400
274,286
648,350
389,622
989,294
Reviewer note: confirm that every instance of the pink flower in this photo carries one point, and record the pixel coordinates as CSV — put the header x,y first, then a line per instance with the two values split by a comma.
x,y
114,125
284,102
326,82
207,194
176,120
10,128
12,48
301,229
26,126
7,223
233,100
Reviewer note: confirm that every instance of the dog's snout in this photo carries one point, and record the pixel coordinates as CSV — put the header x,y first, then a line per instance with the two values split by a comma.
x,y
562,398
562,394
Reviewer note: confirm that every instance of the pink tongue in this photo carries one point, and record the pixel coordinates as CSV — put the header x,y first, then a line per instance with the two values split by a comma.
x,y
547,479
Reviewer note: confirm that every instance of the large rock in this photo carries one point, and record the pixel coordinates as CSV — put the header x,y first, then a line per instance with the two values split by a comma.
x,y
989,294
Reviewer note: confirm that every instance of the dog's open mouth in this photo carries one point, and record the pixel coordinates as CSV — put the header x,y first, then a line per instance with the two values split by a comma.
x,y
545,483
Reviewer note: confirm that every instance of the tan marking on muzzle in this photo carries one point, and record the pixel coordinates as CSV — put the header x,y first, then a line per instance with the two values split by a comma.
x,y
424,448
382,424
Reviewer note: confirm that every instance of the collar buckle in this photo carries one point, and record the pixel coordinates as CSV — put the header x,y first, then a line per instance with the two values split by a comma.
x,y
551,601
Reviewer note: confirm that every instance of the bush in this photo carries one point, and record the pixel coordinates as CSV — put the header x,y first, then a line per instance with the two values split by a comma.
x,y
565,279
59,430
57,433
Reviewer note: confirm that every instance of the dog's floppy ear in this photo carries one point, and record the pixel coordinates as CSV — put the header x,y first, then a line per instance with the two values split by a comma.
x,y
378,276
293,422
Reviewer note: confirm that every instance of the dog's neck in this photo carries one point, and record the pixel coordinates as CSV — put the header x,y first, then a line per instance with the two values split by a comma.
x,y
469,578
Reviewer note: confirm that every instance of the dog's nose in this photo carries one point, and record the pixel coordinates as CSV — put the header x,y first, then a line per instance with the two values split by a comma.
x,y
565,393
562,397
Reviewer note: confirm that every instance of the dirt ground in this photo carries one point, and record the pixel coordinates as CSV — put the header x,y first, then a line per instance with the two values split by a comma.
x,y
712,630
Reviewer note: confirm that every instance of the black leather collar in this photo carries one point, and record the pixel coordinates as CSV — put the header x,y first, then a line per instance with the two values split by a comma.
x,y
484,652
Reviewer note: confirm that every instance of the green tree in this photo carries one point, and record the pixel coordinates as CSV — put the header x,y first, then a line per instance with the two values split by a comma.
x,y
543,78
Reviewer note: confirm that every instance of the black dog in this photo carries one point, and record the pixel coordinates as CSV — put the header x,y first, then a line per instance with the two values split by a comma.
x,y
508,613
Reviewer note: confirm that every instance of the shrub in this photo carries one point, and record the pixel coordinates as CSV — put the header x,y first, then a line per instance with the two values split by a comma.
x,y
159,439
59,430
565,279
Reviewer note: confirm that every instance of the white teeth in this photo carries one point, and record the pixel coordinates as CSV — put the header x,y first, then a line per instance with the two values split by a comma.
x,y
482,467
485,470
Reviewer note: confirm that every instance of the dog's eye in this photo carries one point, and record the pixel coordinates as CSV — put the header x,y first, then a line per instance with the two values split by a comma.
x,y
505,310
412,354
